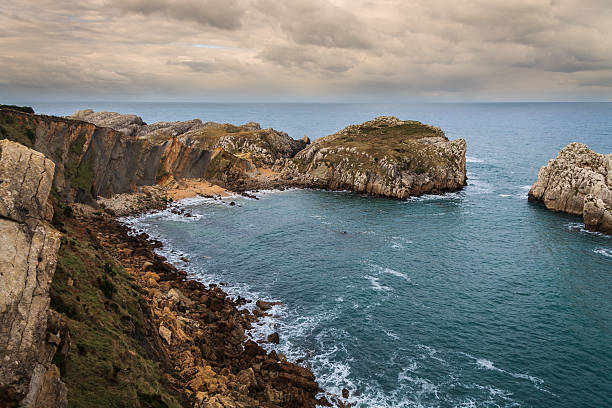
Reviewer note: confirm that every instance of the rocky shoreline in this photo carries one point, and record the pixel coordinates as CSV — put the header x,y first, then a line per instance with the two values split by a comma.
x,y
203,331
114,324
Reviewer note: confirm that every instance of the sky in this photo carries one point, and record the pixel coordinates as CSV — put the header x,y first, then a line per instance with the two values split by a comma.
x,y
306,50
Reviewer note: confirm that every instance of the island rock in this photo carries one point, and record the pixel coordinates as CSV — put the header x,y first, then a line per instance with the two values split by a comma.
x,y
578,181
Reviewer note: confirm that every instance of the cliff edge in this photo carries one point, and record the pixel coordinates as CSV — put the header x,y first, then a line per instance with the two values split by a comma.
x,y
578,181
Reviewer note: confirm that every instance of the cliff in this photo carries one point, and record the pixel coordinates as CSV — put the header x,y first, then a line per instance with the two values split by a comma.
x,y
28,255
578,181
385,156
93,161
115,325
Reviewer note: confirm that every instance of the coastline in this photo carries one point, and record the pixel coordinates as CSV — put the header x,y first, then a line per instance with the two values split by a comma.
x,y
202,332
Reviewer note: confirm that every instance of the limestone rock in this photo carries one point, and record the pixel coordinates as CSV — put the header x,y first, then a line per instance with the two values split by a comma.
x,y
578,181
597,215
26,177
165,334
385,156
28,255
127,124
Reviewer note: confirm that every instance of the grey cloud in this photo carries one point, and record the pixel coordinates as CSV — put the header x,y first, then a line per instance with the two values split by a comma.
x,y
308,59
222,14
319,23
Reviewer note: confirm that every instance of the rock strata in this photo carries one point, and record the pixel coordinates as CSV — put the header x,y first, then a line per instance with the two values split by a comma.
x,y
28,255
578,181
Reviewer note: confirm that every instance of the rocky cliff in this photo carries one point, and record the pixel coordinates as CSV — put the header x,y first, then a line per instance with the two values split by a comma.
x,y
91,161
578,181
385,156
28,255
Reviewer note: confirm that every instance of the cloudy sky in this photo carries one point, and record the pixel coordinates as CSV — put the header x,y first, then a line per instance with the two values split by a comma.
x,y
306,50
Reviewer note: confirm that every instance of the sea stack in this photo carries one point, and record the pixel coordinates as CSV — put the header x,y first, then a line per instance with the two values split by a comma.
x,y
578,181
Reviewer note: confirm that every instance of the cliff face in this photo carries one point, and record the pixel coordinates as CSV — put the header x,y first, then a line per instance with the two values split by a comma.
x,y
28,255
91,161
578,181
385,156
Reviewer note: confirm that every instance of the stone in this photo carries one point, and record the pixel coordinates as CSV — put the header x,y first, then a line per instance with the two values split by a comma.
x,y
26,176
147,266
597,215
28,255
165,334
274,338
265,306
578,181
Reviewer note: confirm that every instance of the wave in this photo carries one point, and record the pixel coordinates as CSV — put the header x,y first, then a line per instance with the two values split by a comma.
x,y
607,252
469,159
580,227
485,364
375,283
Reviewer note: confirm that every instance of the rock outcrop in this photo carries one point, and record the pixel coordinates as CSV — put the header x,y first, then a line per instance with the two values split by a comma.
x,y
578,181
93,161
28,255
262,146
385,156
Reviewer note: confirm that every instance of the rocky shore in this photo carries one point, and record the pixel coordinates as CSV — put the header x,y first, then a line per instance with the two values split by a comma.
x,y
115,324
578,181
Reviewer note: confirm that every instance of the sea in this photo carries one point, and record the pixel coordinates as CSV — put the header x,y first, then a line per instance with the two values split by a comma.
x,y
477,298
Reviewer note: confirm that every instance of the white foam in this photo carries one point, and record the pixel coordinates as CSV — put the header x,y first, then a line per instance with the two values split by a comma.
x,y
578,226
381,269
375,284
604,251
505,195
469,159
486,364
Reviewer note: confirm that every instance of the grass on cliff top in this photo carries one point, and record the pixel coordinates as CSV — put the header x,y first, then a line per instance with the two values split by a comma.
x,y
25,109
399,143
208,136
376,140
14,127
108,364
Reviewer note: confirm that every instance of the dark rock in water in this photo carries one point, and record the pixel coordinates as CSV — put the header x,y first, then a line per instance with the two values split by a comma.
x,y
274,338
345,393
265,306
232,203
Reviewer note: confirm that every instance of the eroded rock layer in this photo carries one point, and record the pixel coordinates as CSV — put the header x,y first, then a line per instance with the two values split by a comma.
x,y
28,255
578,181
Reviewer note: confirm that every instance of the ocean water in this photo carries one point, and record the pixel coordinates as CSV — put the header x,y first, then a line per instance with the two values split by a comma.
x,y
472,299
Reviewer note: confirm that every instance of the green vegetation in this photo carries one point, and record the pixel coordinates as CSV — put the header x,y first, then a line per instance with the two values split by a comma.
x,y
17,128
108,364
25,109
363,147
79,170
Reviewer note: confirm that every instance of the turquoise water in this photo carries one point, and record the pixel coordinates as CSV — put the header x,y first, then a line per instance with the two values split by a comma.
x,y
473,299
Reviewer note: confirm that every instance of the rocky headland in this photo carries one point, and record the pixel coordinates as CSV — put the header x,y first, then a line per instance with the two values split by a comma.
x,y
385,156
578,181
114,324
